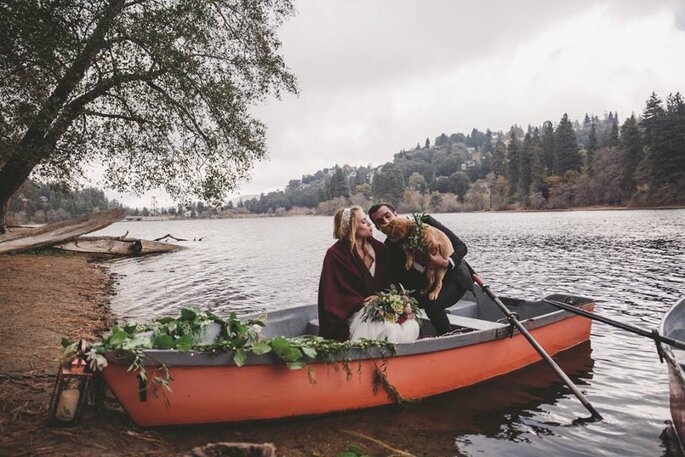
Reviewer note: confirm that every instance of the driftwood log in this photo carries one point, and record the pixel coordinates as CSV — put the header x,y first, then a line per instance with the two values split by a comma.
x,y
59,232
116,246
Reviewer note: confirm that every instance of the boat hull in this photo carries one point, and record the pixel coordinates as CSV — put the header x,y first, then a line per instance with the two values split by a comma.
x,y
676,387
673,326
202,394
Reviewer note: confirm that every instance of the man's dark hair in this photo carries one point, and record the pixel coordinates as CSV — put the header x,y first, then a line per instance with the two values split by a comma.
x,y
377,206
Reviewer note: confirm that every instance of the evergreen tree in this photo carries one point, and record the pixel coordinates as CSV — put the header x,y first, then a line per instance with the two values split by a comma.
x,y
632,155
675,107
566,153
442,140
487,147
339,186
499,159
513,160
547,140
388,184
613,134
537,168
428,144
591,148
459,184
525,167
653,123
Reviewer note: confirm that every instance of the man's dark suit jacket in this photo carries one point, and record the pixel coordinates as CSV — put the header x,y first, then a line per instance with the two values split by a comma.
x,y
413,279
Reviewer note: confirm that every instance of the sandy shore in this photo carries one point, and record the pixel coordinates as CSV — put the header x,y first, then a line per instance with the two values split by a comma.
x,y
45,297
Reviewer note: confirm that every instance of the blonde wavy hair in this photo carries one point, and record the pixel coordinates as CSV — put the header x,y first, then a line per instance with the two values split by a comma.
x,y
344,230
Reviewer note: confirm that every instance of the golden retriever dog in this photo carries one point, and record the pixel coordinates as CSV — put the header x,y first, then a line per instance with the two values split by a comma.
x,y
435,242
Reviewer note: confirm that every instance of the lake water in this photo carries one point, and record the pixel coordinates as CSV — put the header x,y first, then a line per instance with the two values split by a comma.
x,y
631,262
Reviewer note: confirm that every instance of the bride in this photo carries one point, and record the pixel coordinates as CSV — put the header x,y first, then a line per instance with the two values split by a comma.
x,y
354,269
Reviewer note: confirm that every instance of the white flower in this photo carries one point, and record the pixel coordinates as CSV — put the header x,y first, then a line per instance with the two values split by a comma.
x,y
96,361
256,328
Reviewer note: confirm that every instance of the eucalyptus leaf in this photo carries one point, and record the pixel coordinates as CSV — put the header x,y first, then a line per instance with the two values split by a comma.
x,y
188,314
163,341
261,347
309,351
239,357
284,350
118,338
130,328
185,343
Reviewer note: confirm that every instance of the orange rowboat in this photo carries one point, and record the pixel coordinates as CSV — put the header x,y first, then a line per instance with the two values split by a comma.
x,y
211,388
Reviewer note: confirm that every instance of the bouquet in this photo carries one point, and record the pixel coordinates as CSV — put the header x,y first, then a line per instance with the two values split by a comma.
x,y
389,306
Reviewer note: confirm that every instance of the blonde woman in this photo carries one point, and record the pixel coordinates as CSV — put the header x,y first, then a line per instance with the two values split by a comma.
x,y
354,268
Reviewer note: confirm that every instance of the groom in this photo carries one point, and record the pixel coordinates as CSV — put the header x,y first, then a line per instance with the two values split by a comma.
x,y
456,282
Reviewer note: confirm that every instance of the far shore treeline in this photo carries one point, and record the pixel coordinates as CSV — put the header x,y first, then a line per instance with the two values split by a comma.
x,y
636,162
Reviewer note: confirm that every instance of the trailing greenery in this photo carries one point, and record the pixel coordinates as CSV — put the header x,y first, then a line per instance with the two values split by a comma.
x,y
204,331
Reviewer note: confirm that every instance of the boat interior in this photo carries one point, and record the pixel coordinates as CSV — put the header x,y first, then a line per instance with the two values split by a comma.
x,y
474,319
474,312
673,326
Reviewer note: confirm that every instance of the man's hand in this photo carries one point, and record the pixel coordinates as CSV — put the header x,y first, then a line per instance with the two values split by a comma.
x,y
437,261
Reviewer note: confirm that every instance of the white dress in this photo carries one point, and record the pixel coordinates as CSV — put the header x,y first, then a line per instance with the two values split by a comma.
x,y
406,332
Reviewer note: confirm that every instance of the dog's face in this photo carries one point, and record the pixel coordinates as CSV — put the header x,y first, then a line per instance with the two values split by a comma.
x,y
398,229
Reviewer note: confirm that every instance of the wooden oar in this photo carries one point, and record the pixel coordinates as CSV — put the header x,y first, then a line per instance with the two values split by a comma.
x,y
511,317
638,331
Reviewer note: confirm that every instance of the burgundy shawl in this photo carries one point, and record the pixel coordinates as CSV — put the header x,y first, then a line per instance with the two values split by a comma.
x,y
345,283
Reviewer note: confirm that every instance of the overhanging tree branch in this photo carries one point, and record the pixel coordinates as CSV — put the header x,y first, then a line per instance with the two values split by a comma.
x,y
76,106
183,110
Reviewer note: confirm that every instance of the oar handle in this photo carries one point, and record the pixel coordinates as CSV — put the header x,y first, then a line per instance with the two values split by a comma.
x,y
478,280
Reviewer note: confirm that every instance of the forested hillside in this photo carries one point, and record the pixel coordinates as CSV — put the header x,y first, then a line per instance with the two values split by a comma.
x,y
637,161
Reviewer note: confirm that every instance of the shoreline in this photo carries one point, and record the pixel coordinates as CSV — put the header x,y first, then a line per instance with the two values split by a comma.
x,y
312,213
48,295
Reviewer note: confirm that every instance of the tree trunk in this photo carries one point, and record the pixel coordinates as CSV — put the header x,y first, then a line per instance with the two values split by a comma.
x,y
12,175
4,206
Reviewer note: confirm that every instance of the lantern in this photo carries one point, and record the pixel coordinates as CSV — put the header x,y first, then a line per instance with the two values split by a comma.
x,y
71,387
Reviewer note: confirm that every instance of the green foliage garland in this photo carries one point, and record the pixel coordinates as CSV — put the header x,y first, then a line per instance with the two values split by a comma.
x,y
189,332
416,242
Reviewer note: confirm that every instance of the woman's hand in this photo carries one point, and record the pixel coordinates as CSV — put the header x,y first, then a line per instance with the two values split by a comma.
x,y
368,299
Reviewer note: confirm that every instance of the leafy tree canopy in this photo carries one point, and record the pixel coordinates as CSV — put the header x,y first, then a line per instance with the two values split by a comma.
x,y
159,91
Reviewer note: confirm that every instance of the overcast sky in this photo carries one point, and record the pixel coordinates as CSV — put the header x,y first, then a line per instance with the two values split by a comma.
x,y
379,76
